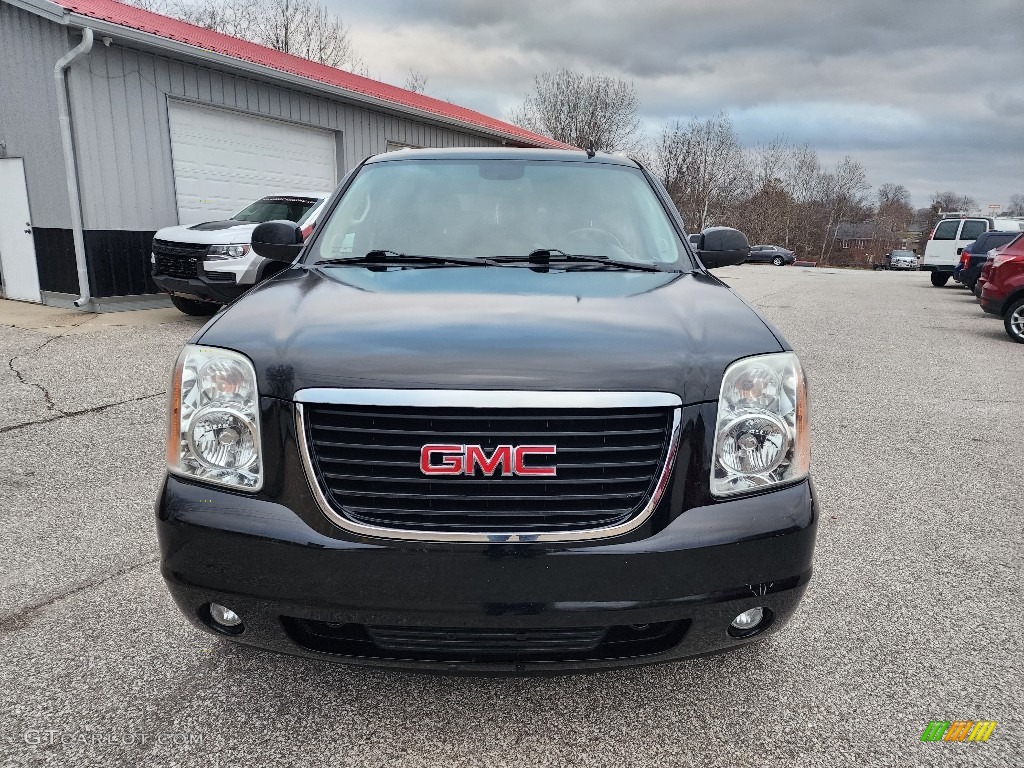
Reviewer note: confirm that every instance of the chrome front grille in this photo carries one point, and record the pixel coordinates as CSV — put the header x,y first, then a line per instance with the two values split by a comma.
x,y
611,463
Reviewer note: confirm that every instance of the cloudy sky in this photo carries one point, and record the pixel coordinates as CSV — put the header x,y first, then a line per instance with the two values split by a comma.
x,y
926,93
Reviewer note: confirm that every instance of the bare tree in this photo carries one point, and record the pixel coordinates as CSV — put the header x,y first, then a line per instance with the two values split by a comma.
x,y
893,214
951,202
156,6
303,28
703,167
231,17
1016,206
578,109
416,81
841,193
767,210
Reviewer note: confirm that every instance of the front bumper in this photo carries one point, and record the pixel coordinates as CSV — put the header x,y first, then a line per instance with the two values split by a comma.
x,y
294,587
201,288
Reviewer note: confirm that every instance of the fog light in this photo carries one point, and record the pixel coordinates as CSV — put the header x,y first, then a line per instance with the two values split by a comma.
x,y
746,620
224,616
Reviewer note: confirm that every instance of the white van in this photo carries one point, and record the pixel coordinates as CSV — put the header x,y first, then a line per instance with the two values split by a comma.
x,y
947,241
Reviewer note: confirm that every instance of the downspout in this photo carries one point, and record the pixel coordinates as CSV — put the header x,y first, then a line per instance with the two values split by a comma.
x,y
70,165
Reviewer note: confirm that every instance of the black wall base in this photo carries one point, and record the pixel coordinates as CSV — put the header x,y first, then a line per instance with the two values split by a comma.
x,y
117,260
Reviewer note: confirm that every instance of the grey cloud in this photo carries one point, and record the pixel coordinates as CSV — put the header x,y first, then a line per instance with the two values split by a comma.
x,y
1006,103
911,87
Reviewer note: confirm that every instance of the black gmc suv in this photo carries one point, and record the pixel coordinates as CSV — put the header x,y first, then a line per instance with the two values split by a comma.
x,y
497,416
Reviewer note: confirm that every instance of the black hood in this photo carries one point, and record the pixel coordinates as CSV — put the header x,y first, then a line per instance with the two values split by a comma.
x,y
491,328
215,226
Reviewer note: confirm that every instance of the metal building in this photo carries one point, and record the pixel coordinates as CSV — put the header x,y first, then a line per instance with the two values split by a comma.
x,y
115,122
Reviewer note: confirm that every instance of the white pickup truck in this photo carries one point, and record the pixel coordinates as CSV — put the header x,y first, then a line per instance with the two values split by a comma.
x,y
205,266
947,241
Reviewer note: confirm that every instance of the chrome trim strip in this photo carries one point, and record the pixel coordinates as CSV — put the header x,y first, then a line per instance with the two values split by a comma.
x,y
511,537
487,398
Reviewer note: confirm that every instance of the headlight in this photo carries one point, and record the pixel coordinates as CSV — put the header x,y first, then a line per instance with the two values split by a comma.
x,y
213,431
218,252
762,437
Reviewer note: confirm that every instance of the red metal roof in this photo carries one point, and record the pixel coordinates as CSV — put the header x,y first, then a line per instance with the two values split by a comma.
x,y
180,31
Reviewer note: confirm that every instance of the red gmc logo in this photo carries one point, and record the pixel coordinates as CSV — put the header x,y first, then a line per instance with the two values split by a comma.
x,y
438,459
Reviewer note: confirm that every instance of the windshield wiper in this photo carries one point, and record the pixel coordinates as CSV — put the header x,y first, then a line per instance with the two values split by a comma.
x,y
383,258
554,257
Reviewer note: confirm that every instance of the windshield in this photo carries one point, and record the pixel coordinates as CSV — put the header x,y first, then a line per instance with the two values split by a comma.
x,y
500,207
904,254
276,207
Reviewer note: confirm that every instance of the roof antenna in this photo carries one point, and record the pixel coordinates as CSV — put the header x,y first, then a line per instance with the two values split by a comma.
x,y
591,148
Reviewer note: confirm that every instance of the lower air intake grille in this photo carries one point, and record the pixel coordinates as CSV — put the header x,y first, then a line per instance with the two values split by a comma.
x,y
485,645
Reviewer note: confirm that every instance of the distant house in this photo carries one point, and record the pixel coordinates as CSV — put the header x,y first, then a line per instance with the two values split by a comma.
x,y
860,235
866,235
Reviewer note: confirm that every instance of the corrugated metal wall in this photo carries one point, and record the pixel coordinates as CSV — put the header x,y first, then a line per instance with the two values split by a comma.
x,y
29,47
119,110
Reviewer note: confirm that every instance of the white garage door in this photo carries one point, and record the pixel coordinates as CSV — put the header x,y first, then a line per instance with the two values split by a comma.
x,y
224,160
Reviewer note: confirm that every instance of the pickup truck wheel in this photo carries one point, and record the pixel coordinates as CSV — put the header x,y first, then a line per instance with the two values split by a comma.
x,y
939,279
1014,321
778,261
196,308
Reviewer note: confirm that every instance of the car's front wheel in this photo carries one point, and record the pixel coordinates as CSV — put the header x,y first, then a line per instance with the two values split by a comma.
x,y
939,279
193,307
778,261
1014,321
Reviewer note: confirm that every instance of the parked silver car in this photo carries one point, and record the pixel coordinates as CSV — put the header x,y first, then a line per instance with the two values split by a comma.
x,y
902,260
770,254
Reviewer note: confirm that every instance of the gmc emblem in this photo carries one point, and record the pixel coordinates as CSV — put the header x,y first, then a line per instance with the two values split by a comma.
x,y
438,459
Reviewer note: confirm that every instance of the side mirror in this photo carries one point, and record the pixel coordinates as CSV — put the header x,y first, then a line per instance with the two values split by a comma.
x,y
277,240
722,247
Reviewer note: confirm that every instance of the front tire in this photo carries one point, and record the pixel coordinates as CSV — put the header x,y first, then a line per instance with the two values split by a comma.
x,y
939,279
778,261
1013,320
195,308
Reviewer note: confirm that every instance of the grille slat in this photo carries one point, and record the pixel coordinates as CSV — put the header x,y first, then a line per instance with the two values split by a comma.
x,y
561,466
367,462
477,498
416,449
471,414
487,641
430,433
520,482
438,514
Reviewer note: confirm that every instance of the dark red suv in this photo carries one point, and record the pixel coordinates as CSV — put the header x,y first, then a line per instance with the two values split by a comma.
x,y
1003,292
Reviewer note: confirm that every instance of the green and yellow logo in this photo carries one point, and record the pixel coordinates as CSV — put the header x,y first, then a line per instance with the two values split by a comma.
x,y
958,730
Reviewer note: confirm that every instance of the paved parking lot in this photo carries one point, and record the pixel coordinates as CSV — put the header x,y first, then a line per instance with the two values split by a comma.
x,y
914,612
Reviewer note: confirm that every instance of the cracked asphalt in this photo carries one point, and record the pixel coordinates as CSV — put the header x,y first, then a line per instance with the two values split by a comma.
x,y
913,613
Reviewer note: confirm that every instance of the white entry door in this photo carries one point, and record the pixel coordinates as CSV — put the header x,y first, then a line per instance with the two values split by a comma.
x,y
17,249
223,160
